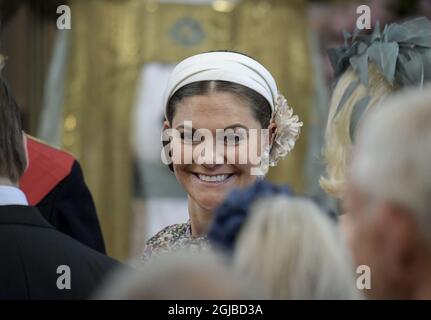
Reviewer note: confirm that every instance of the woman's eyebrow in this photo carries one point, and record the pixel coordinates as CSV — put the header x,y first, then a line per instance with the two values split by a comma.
x,y
232,126
185,128
236,125
181,126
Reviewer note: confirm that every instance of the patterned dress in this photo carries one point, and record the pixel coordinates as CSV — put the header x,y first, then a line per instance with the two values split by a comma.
x,y
174,237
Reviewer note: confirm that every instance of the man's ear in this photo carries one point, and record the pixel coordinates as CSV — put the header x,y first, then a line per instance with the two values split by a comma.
x,y
24,142
166,125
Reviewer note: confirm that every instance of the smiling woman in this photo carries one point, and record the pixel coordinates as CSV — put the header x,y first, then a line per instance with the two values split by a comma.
x,y
221,105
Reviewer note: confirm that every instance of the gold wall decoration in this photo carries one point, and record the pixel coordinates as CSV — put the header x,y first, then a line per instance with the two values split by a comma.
x,y
103,69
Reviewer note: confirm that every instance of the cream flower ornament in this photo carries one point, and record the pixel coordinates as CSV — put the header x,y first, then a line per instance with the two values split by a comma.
x,y
287,131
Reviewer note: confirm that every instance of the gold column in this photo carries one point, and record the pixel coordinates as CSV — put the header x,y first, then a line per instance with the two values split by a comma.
x,y
102,74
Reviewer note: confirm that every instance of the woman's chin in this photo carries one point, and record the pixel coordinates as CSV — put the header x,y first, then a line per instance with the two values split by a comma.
x,y
209,200
210,195
209,203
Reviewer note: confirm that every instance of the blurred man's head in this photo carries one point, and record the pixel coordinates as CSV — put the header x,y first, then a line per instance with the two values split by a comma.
x,y
388,197
12,151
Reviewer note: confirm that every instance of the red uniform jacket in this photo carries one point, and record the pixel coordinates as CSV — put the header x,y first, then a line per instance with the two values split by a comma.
x,y
54,183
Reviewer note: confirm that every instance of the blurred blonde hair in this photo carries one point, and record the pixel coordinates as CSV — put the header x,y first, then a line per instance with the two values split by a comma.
x,y
338,142
177,275
294,251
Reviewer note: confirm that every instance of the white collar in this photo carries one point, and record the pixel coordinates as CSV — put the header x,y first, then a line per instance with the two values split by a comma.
x,y
12,196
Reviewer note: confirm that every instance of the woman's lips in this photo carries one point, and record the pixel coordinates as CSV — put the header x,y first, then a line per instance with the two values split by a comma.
x,y
214,179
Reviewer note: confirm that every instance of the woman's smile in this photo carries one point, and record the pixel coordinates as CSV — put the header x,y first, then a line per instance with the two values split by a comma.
x,y
213,179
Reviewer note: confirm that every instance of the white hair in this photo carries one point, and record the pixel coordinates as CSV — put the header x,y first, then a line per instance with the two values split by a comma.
x,y
392,159
295,251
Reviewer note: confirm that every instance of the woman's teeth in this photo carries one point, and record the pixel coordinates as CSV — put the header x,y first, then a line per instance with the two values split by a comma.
x,y
216,178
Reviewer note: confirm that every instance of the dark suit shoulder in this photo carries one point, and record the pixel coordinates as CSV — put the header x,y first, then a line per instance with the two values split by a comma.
x,y
38,256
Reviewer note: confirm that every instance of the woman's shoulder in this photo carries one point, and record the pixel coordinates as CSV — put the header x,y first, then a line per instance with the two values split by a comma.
x,y
166,238
169,233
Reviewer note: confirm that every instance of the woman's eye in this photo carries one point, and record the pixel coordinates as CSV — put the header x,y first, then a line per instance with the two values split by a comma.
x,y
186,137
191,138
233,139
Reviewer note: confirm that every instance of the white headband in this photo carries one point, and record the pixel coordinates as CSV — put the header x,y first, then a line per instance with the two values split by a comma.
x,y
225,66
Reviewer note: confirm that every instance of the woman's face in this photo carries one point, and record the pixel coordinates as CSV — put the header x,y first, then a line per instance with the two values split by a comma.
x,y
221,159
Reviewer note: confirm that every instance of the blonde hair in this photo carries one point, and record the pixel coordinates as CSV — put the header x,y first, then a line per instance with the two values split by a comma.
x,y
294,251
338,142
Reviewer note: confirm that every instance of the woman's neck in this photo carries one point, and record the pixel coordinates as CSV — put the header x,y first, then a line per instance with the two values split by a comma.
x,y
200,219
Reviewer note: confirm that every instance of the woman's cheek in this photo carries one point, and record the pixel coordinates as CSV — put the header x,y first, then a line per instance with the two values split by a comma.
x,y
254,153
231,155
175,151
182,153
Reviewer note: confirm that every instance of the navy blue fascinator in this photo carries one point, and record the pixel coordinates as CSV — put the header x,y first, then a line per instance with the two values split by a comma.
x,y
232,214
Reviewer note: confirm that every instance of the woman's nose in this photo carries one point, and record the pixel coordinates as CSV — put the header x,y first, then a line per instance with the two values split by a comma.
x,y
211,157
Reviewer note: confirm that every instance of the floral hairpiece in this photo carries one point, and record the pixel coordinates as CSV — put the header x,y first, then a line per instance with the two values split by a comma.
x,y
287,131
401,53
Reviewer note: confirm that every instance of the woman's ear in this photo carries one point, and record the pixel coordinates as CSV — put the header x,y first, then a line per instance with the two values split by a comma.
x,y
271,129
166,126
